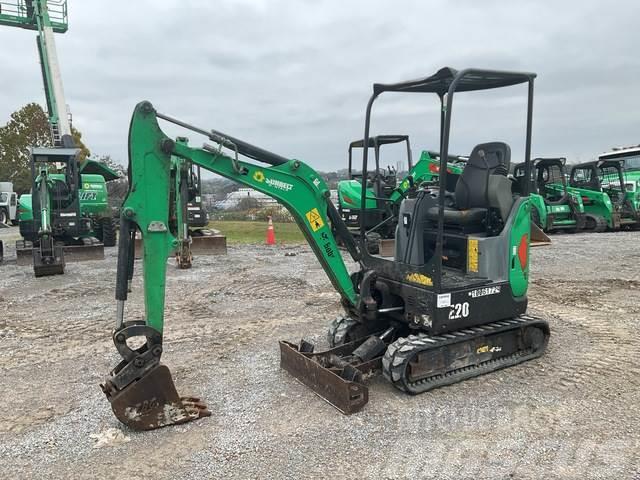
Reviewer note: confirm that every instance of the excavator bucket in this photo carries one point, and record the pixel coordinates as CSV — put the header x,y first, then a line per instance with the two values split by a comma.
x,y
341,387
45,266
538,237
153,402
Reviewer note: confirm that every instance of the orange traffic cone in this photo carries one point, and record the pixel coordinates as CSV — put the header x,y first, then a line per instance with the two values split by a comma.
x,y
271,234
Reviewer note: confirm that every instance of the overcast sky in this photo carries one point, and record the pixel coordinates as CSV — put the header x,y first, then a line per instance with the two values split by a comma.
x,y
294,77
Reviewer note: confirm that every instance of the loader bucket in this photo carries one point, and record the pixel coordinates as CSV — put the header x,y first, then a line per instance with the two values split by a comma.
x,y
209,245
538,237
331,384
153,402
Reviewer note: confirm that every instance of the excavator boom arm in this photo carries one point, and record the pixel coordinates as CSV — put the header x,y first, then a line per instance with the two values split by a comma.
x,y
292,183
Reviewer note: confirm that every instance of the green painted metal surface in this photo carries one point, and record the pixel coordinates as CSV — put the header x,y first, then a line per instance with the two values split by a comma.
x,y
92,192
294,184
24,14
425,170
520,241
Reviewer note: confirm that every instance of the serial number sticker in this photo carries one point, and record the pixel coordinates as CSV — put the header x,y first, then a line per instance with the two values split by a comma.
x,y
314,219
444,300
472,255
483,292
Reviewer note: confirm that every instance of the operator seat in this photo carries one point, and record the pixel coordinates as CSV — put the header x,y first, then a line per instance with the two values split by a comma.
x,y
483,184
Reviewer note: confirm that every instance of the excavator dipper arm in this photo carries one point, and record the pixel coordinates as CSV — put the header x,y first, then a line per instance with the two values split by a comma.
x,y
140,389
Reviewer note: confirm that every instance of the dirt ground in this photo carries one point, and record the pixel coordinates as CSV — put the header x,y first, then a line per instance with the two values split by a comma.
x,y
572,414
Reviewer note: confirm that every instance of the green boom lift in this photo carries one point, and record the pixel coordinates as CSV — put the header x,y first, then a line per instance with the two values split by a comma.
x,y
449,306
68,206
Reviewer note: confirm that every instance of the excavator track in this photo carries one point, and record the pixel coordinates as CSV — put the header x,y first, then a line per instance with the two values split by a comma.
x,y
419,363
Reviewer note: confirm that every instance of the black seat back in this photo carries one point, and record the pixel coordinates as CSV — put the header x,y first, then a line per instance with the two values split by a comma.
x,y
473,186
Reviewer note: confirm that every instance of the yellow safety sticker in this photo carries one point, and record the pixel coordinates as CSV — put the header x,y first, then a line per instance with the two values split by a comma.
x,y
420,279
314,219
472,255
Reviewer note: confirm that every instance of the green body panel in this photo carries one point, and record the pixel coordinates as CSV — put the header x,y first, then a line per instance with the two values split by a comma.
x,y
349,195
562,214
596,203
294,184
520,232
93,197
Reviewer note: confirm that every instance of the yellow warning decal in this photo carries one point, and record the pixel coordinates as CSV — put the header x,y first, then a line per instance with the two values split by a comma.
x,y
472,255
314,219
420,279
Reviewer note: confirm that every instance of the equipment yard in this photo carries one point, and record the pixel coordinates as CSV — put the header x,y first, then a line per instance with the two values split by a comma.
x,y
571,413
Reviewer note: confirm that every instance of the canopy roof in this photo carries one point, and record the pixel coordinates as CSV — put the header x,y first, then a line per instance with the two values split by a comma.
x,y
474,79
380,140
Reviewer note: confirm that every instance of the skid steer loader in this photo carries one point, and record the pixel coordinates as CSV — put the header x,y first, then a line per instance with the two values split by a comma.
x,y
449,306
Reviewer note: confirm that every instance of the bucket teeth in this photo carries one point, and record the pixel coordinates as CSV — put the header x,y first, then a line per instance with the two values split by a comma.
x,y
153,402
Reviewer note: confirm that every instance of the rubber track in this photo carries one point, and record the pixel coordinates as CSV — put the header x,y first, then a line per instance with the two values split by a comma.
x,y
400,353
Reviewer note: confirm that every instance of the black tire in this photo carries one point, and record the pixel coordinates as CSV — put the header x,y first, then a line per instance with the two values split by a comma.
x,y
535,217
108,232
344,330
595,223
4,216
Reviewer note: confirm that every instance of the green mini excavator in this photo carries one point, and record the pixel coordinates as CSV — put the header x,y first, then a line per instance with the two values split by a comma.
x,y
450,305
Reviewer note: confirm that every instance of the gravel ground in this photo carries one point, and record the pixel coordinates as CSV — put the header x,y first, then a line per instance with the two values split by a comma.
x,y
571,414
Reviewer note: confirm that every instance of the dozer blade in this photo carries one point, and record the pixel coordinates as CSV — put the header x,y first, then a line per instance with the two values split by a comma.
x,y
340,387
24,256
72,253
82,253
153,402
209,245
538,237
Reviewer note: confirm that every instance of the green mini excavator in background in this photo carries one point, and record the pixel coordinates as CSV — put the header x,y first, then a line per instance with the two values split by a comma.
x,y
384,190
449,306
190,218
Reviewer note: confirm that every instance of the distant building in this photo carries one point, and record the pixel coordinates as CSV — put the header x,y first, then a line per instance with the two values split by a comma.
x,y
234,198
